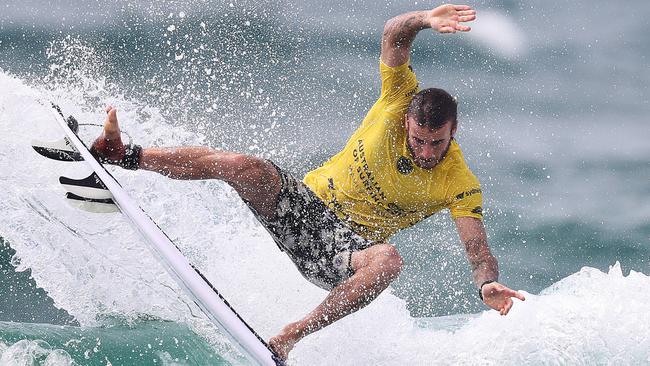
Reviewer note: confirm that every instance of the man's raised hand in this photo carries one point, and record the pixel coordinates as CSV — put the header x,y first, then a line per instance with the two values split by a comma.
x,y
448,18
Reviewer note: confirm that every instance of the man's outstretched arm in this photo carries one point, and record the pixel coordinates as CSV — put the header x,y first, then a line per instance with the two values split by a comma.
x,y
485,269
399,32
484,265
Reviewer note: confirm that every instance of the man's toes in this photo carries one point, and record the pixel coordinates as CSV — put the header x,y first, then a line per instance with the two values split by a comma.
x,y
112,115
111,127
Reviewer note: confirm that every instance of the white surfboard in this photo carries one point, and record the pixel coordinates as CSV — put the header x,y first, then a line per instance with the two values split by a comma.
x,y
101,193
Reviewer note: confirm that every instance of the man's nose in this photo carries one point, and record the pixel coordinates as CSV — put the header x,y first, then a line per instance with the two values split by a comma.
x,y
428,152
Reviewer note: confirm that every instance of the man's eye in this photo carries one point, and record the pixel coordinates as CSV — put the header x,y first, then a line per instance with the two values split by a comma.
x,y
418,141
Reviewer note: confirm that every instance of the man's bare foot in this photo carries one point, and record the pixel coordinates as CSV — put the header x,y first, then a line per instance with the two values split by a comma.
x,y
109,144
283,343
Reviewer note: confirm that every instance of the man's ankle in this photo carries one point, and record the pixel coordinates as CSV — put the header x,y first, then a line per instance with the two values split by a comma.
x,y
295,331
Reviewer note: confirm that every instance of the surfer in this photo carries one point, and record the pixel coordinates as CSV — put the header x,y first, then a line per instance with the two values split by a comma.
x,y
400,166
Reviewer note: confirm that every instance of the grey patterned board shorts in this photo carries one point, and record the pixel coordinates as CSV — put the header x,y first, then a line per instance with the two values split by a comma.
x,y
316,240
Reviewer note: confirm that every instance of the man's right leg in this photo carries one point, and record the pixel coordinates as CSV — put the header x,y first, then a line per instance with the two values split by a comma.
x,y
256,180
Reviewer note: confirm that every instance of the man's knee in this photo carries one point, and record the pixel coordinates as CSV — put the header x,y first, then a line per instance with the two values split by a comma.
x,y
256,180
389,261
248,169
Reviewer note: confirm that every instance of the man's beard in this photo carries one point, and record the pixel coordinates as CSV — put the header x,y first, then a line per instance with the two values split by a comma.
x,y
427,164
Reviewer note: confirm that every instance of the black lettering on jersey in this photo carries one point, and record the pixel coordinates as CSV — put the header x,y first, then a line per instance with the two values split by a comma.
x,y
395,209
366,175
478,210
412,92
468,193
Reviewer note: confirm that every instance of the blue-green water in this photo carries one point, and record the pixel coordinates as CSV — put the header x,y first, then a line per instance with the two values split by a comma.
x,y
553,107
140,343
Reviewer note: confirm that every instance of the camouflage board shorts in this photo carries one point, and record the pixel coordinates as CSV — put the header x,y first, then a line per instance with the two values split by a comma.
x,y
316,240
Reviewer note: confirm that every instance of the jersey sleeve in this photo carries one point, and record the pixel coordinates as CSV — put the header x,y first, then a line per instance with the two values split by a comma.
x,y
398,85
468,201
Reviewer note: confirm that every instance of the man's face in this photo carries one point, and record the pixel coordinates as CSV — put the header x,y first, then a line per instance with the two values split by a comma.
x,y
428,147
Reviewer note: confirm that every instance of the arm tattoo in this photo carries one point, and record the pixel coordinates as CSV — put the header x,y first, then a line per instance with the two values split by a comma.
x,y
401,31
484,265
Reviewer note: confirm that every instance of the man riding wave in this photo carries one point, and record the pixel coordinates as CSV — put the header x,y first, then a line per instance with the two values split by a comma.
x,y
400,166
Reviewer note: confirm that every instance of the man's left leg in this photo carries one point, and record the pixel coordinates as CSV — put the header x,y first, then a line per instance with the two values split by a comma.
x,y
374,269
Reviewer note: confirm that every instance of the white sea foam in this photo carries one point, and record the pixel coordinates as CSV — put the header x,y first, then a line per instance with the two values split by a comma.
x,y
26,352
93,265
588,318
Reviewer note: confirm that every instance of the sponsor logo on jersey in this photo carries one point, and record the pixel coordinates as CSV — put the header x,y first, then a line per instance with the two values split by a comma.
x,y
404,165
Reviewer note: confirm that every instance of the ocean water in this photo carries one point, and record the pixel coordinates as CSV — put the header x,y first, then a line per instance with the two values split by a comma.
x,y
554,121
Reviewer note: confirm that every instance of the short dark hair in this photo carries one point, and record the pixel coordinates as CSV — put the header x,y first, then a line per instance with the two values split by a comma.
x,y
433,108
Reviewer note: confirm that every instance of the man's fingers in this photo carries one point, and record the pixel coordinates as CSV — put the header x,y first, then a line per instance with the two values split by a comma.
x,y
467,12
466,18
463,28
504,310
516,294
507,308
503,297
462,7
512,293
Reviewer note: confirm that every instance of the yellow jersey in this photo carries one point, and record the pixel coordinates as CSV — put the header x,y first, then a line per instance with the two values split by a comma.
x,y
373,183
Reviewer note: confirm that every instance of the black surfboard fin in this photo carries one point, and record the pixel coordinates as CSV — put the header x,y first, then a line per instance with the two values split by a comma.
x,y
90,182
61,150
89,194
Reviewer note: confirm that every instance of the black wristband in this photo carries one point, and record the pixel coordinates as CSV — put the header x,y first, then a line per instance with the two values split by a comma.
x,y
480,289
131,159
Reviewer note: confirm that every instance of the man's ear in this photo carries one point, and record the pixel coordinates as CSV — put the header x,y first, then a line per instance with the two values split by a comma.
x,y
453,130
406,121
